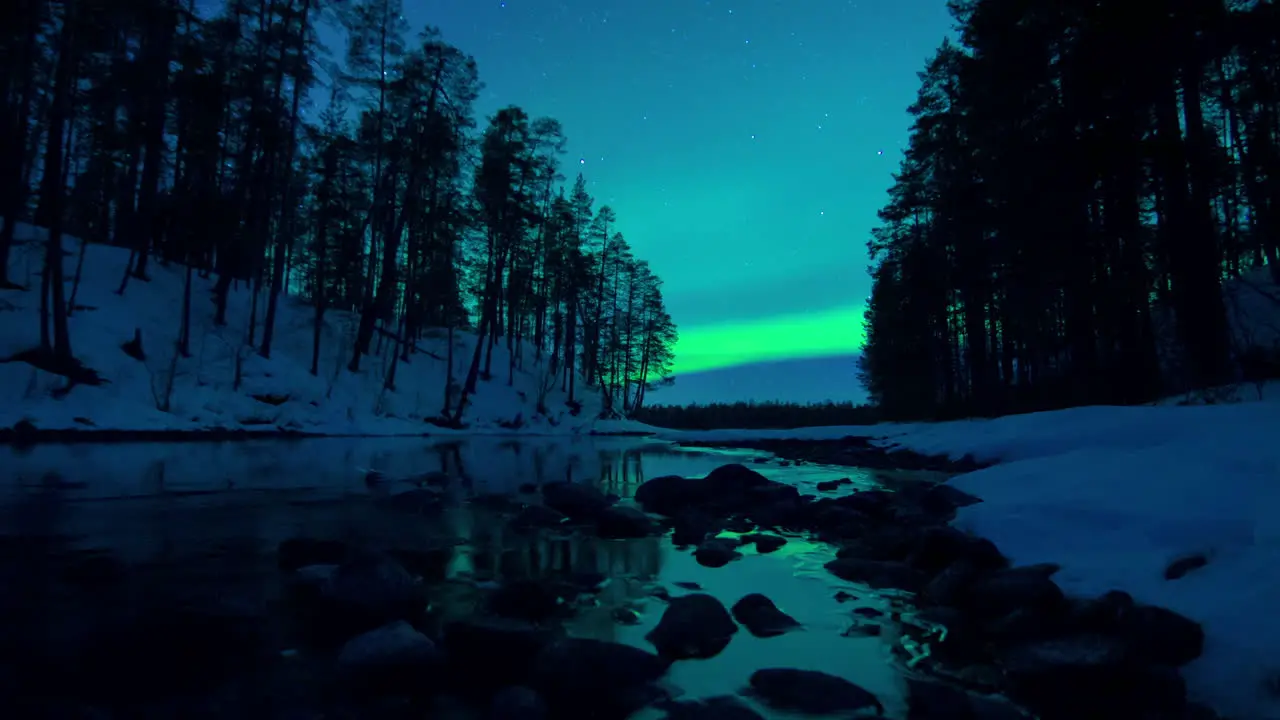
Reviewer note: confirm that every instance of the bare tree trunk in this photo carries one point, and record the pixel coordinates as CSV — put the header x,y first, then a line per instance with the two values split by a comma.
x,y
54,190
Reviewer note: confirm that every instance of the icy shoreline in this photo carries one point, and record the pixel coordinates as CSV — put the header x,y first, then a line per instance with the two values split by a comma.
x,y
1115,496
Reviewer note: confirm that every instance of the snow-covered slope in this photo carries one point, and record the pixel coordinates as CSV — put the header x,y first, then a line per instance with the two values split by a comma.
x,y
204,393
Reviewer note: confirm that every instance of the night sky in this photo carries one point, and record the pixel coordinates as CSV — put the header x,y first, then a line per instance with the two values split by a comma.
x,y
745,146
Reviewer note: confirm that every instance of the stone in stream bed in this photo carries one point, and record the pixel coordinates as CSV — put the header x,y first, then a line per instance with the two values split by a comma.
x,y
619,523
691,527
393,659
582,678
724,491
717,552
580,502
862,630
537,517
1090,675
367,591
761,617
811,692
695,626
531,600
671,495
880,575
486,654
1024,587
764,542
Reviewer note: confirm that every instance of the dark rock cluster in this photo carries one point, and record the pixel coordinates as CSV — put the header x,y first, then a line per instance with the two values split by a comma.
x,y
359,631
512,660
976,621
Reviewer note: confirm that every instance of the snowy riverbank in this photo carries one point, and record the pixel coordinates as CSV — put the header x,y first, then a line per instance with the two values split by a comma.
x,y
163,394
1115,495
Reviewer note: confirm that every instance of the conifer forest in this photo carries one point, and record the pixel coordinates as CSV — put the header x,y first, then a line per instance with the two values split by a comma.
x,y
1081,183
355,178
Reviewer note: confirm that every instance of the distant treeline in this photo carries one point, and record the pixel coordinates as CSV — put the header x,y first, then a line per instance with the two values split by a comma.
x,y
756,415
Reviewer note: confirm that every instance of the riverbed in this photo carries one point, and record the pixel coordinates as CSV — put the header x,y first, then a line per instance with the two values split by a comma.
x,y
95,536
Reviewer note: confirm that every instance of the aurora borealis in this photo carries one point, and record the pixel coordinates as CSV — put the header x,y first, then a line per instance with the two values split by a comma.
x,y
746,146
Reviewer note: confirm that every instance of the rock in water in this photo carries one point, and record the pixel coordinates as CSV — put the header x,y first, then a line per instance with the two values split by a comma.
x,y
486,654
1025,587
811,692
1091,676
377,588
394,644
530,600
579,501
878,574
394,658
761,617
764,542
670,494
535,517
621,523
717,552
582,678
334,603
695,626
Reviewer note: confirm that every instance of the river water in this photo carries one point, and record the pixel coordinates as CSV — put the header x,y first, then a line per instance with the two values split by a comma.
x,y
86,526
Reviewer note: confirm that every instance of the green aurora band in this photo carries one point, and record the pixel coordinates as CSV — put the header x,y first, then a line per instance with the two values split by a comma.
x,y
836,331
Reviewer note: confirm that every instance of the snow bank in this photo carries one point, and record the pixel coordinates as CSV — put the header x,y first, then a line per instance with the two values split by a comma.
x,y
1114,494
1141,489
204,395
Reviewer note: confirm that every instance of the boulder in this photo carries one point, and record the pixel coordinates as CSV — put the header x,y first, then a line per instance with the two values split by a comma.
x,y
693,626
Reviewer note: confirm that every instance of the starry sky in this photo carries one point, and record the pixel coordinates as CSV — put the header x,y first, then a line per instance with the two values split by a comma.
x,y
745,145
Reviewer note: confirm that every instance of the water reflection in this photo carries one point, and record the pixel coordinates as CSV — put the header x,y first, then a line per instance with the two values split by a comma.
x,y
96,535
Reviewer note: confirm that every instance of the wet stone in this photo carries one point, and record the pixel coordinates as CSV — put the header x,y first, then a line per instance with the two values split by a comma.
x,y
877,574
693,626
623,522
717,552
535,517
764,542
485,654
761,617
392,659
531,600
587,678
1004,591
580,502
